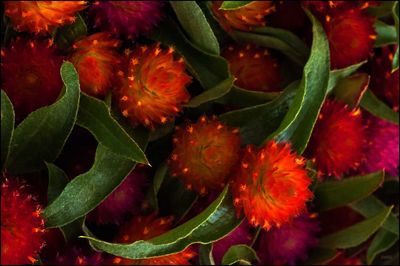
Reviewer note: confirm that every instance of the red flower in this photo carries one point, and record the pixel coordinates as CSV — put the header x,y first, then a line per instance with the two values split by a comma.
x,y
96,60
253,67
22,227
30,71
154,87
147,227
270,185
204,153
337,140
42,16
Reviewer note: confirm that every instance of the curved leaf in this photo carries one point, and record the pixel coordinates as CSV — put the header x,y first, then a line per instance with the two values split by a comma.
x,y
337,74
386,34
332,194
350,90
195,25
376,107
216,221
382,241
7,126
320,256
205,255
395,12
229,5
42,135
157,181
95,116
239,254
245,98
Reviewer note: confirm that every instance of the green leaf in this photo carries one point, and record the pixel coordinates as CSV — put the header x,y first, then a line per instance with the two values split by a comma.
x,y
239,254
382,241
386,34
42,135
229,5
355,234
376,107
332,194
95,116
382,10
205,255
395,11
245,98
299,121
157,181
337,74
65,36
195,25
212,94
7,126
320,256
78,197
216,221
350,90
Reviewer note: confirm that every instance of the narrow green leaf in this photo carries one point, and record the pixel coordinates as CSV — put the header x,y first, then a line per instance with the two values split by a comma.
x,y
386,34
212,94
95,116
42,135
350,90
337,74
299,121
157,181
376,107
395,11
239,254
332,194
65,36
382,241
229,5
7,126
216,221
195,25
382,10
205,255
58,179
245,98
320,256
355,234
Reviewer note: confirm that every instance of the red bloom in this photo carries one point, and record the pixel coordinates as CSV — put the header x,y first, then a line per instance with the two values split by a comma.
x,y
253,67
21,225
154,87
42,16
30,72
204,153
96,60
337,140
147,227
270,184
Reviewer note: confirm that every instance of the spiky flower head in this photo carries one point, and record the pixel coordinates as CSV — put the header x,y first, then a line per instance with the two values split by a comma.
x,y
22,227
126,199
337,140
154,87
42,16
36,67
96,60
147,227
270,184
382,149
127,18
204,154
289,243
253,67
244,18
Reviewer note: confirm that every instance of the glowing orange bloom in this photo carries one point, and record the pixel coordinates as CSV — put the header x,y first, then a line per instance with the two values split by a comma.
x,y
244,18
154,87
147,227
96,60
337,140
253,67
270,184
42,16
204,153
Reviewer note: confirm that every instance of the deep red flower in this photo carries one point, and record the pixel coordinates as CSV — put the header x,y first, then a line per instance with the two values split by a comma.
x,y
204,153
270,184
337,140
154,87
30,73
253,67
96,60
42,16
22,227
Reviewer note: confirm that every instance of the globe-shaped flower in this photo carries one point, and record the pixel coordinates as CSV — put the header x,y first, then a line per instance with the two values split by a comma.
x,y
270,184
204,154
154,87
22,227
42,16
30,73
96,60
127,18
254,68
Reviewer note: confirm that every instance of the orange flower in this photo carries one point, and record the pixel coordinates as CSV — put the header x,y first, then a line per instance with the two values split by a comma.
x,y
204,153
245,17
96,60
147,227
154,87
42,16
270,184
253,67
